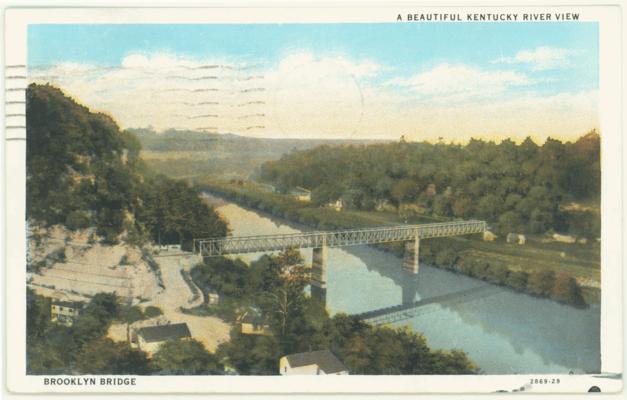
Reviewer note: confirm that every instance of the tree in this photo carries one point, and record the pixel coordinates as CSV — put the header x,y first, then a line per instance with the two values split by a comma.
x,y
129,315
185,357
37,314
442,205
251,354
463,207
288,298
489,207
517,280
541,282
106,357
404,191
152,312
510,221
567,290
96,317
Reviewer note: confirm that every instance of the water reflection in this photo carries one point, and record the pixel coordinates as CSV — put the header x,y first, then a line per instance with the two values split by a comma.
x,y
562,337
504,332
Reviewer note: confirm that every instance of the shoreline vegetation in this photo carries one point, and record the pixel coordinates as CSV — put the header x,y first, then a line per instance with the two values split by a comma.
x,y
454,254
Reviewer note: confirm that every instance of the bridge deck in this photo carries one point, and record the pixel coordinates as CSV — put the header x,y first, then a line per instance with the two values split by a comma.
x,y
348,237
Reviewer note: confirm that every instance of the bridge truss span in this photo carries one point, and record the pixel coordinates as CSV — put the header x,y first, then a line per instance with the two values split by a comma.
x,y
348,237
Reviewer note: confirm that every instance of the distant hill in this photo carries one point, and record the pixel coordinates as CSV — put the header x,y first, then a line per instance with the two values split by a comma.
x,y
186,153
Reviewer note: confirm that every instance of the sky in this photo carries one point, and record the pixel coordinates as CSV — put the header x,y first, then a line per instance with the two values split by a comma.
x,y
434,81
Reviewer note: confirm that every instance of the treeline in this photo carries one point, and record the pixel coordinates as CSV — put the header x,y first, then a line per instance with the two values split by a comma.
x,y
442,253
83,172
274,285
516,187
84,347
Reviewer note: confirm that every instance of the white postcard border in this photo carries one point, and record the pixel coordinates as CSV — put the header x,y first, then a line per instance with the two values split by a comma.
x,y
608,17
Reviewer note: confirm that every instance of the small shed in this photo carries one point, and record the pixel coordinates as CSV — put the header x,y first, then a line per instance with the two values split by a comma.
x,y
149,338
320,362
213,297
489,236
253,323
301,194
338,205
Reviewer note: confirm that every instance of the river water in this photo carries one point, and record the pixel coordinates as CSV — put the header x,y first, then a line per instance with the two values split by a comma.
x,y
503,331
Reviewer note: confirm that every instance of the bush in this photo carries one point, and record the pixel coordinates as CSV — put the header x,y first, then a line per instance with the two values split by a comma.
x,y
517,280
541,282
76,220
567,290
152,311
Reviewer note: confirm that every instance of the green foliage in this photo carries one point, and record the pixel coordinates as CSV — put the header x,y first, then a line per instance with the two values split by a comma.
x,y
82,171
54,348
84,348
130,314
517,280
173,213
251,354
541,282
152,312
185,357
567,290
103,356
226,276
516,187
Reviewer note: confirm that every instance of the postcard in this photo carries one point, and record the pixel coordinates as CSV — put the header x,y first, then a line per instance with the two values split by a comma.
x,y
313,200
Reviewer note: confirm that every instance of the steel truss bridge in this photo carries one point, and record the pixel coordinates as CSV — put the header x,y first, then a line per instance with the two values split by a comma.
x,y
349,237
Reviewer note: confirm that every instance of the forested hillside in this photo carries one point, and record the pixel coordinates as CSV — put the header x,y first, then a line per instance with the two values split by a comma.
x,y
188,153
516,187
83,172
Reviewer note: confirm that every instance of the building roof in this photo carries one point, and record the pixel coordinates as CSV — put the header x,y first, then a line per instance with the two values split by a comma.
x,y
160,333
253,316
66,303
324,359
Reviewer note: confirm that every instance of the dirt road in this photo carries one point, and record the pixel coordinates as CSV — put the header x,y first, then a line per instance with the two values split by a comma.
x,y
211,331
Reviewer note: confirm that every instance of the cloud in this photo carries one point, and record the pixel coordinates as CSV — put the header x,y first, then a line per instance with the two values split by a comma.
x,y
304,95
542,58
459,82
315,96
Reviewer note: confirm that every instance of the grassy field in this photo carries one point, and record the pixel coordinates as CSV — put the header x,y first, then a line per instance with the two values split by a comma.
x,y
539,252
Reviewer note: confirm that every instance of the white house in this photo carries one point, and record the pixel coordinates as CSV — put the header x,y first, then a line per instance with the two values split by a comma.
x,y
338,205
516,238
564,238
65,312
321,362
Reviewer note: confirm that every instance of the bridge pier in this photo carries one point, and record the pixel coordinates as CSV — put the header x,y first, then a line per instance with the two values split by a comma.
x,y
409,289
410,259
319,274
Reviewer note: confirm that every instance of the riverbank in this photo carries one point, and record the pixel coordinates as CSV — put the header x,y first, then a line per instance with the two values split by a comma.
x,y
567,273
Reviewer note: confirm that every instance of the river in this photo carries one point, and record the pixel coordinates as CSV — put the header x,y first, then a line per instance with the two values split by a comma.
x,y
503,331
